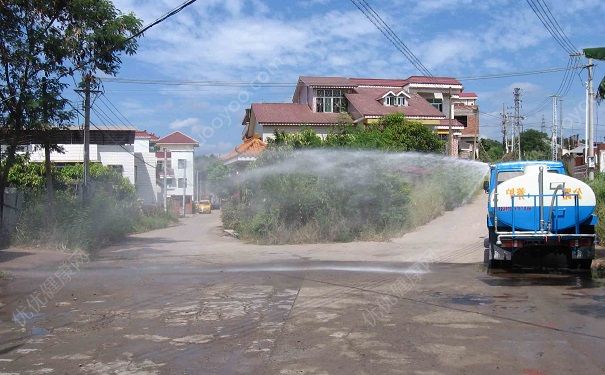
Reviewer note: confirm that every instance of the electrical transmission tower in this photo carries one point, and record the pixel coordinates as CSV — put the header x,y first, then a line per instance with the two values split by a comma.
x,y
543,125
555,126
517,124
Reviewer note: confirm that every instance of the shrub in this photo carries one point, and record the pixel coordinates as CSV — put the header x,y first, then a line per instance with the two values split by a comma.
x,y
111,212
326,195
598,186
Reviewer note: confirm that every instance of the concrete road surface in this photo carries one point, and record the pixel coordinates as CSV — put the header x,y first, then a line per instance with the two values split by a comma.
x,y
188,300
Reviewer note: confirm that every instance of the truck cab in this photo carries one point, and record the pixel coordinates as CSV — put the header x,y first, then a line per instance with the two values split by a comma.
x,y
534,206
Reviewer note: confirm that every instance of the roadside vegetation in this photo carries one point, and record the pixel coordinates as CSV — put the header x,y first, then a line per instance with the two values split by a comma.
x,y
535,145
64,220
350,186
598,186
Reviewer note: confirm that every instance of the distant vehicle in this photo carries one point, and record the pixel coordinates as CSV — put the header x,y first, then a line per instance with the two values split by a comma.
x,y
204,207
535,206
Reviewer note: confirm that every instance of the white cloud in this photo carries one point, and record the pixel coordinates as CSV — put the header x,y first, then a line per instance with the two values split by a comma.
x,y
189,122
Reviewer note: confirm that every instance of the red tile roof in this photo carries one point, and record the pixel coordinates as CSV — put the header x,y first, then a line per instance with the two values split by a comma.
x,y
177,138
434,80
364,102
468,95
379,82
250,147
327,81
291,113
146,135
446,122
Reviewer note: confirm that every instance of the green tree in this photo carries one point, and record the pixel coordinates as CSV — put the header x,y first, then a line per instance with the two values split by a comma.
x,y
400,134
490,151
218,175
391,133
535,145
41,43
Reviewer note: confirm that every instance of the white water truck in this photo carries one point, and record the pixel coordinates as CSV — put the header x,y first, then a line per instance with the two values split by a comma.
x,y
534,206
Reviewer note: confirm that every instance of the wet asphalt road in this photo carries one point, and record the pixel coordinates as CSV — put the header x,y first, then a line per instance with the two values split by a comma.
x,y
134,309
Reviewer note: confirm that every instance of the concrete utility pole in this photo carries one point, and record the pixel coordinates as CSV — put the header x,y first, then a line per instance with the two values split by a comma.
x,y
554,147
590,125
517,124
87,91
505,130
165,184
86,133
184,185
561,135
450,133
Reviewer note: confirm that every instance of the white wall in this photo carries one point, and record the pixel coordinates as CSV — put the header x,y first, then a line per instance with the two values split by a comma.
x,y
113,155
268,130
145,162
116,155
181,152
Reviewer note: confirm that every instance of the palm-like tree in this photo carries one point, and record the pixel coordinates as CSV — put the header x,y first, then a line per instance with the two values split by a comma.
x,y
598,54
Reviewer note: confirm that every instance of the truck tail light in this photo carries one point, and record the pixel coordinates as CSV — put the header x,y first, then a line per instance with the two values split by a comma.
x,y
512,243
581,242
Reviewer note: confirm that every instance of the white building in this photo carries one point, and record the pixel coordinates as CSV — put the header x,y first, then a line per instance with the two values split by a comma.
x,y
137,160
180,168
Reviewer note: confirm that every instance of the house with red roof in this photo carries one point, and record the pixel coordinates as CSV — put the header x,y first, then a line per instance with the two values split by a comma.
x,y
321,103
175,165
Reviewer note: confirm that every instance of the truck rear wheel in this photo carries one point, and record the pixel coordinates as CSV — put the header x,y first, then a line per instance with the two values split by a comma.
x,y
580,264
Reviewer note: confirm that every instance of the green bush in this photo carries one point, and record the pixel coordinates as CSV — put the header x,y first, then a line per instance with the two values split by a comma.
x,y
110,213
598,186
335,196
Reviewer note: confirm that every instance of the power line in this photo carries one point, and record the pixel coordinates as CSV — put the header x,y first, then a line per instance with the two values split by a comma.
x,y
556,32
205,83
161,19
556,25
387,31
105,116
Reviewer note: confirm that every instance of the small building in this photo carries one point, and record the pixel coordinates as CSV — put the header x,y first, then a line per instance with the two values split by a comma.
x,y
177,151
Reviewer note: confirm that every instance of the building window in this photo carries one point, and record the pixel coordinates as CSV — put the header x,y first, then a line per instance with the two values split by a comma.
x,y
170,183
330,100
182,163
437,103
181,183
395,101
462,119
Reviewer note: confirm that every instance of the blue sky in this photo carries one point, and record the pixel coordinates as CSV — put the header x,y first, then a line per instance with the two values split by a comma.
x,y
276,41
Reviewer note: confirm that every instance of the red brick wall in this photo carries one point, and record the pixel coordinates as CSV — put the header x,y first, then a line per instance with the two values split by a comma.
x,y
472,125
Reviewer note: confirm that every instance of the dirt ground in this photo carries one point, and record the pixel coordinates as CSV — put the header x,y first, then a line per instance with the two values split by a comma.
x,y
189,300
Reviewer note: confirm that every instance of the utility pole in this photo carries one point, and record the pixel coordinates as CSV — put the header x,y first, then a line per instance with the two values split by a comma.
x,y
197,186
184,185
86,134
505,130
561,135
590,125
165,184
517,124
87,91
554,148
450,134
